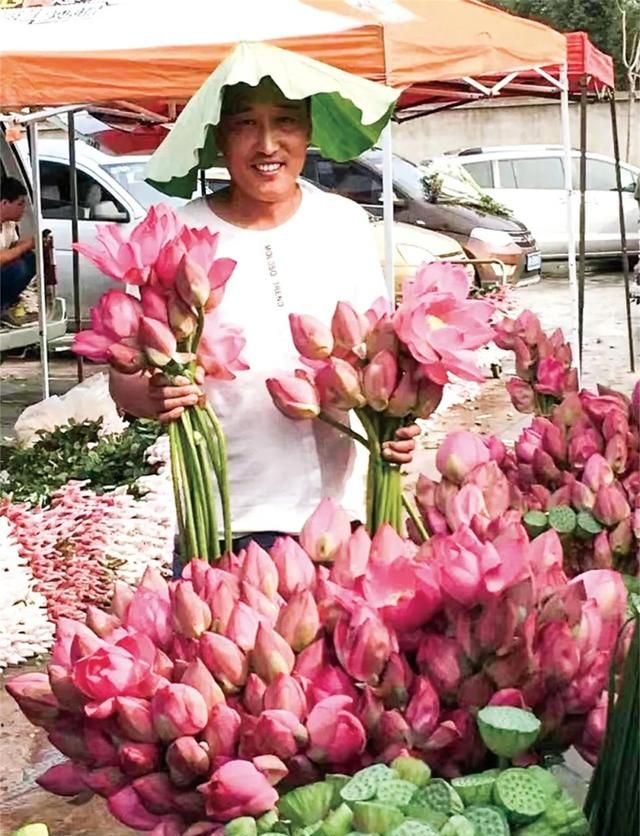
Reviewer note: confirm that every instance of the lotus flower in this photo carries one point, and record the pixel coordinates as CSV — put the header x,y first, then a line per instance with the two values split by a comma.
x,y
379,380
157,341
349,329
363,644
339,386
191,615
278,732
286,693
522,394
295,396
219,349
325,532
423,709
222,732
115,318
311,338
299,621
459,454
178,709
335,733
238,789
225,660
295,569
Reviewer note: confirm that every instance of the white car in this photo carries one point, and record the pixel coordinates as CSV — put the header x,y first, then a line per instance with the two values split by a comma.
x,y
529,179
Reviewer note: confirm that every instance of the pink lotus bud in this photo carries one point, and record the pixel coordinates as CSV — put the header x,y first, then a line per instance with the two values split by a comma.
x,y
271,767
550,376
424,709
285,693
349,329
154,303
610,506
544,467
122,597
311,337
404,399
313,659
191,615
271,655
351,560
602,554
155,791
299,622
197,675
582,446
186,759
475,692
621,538
440,658
335,734
370,709
582,497
379,380
66,779
326,530
243,627
192,283
429,398
363,645
134,719
339,386
125,358
392,729
278,732
266,609
521,394
259,570
459,454
295,570
182,319
225,661
222,732
615,423
616,453
157,341
238,789
597,472
594,730
35,698
509,696
139,758
67,695
178,709
296,397
253,695
125,805
554,442
560,653
101,622
100,747
396,681
494,486
105,780
222,595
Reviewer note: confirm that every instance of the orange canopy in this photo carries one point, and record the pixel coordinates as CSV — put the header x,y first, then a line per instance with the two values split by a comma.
x,y
88,51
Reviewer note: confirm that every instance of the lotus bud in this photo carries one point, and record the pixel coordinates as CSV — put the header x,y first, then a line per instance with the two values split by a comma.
x,y
278,732
302,771
186,759
311,337
444,495
597,473
125,805
225,660
509,696
295,569
237,788
545,468
363,645
439,657
621,538
560,497
134,719
266,609
299,621
326,531
392,729
554,442
610,506
475,692
272,768
191,615
616,453
379,380
582,446
602,554
253,694
68,737
66,693
370,709
271,655
66,779
582,497
296,397
350,329
182,319
404,398
285,693
424,709
139,758
459,454
105,780
352,558
335,734
122,597
197,675
560,653
192,283
313,659
550,375
33,693
396,681
429,398
157,341
222,732
522,395
155,791
178,709
259,570
339,386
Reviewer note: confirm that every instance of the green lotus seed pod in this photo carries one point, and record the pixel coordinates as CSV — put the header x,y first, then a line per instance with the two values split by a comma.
x,y
412,769
507,731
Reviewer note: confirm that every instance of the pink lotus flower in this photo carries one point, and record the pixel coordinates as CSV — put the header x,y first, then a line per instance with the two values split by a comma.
x,y
522,394
597,473
349,329
112,671
124,358
423,709
271,654
243,627
192,282
150,613
611,506
339,386
550,376
238,789
271,767
325,532
278,732
560,653
352,558
191,615
200,245
197,675
66,779
222,732
526,327
379,380
439,325
155,791
299,621
182,319
135,720
139,758
154,303
116,317
186,760
295,396
32,691
285,693
219,349
404,398
311,337
459,454
441,658
126,806
225,660
335,733
259,570
363,644
157,341
178,709
253,696
295,569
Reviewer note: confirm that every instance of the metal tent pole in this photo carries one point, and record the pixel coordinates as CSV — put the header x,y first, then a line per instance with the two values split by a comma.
x,y
583,211
73,193
32,129
387,208
623,232
571,235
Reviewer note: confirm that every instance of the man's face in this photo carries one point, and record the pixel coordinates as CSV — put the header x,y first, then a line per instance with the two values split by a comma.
x,y
12,210
264,140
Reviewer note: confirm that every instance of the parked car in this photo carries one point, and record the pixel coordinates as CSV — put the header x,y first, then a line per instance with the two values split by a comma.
x,y
529,179
482,235
29,333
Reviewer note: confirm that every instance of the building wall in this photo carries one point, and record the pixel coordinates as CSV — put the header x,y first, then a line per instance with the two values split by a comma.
x,y
515,122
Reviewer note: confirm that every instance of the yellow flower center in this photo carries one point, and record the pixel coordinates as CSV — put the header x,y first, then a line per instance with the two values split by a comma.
x,y
434,322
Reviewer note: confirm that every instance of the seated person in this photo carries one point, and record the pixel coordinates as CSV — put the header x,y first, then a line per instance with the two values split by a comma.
x,y
17,257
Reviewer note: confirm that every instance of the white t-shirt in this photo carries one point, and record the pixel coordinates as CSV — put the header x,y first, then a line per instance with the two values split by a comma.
x,y
8,234
280,469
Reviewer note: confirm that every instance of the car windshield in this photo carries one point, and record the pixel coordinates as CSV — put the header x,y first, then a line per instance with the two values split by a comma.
x,y
131,177
406,175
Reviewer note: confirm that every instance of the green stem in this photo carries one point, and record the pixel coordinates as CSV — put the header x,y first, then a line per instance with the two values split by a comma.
x,y
206,467
415,518
372,434
178,488
195,483
343,428
191,541
222,475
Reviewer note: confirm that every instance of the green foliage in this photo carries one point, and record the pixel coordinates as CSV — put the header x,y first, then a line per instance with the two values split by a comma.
x,y
77,451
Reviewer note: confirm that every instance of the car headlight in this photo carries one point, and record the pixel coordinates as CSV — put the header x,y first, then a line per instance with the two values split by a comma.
x,y
415,255
495,237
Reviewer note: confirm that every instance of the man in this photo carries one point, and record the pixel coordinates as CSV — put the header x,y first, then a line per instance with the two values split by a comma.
x,y
297,250
17,258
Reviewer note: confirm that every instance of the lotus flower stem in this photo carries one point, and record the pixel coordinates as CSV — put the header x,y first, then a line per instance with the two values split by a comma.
x,y
415,518
222,476
206,470
178,486
181,468
344,428
196,483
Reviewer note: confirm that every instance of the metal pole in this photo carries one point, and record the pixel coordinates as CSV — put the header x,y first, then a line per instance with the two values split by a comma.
x,y
387,209
583,210
73,193
32,129
623,231
571,234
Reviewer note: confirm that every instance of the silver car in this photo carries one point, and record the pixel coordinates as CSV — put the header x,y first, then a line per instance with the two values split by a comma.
x,y
529,179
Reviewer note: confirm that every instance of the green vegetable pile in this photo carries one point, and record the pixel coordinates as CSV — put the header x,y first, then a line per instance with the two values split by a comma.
x,y
403,800
77,451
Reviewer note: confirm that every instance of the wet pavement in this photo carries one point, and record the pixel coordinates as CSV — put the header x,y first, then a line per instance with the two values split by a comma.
x,y
24,750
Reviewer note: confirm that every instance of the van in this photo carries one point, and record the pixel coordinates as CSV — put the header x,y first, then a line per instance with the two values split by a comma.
x,y
530,180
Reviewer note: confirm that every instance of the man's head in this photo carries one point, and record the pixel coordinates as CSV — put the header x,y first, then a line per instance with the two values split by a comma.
x,y
264,138
13,199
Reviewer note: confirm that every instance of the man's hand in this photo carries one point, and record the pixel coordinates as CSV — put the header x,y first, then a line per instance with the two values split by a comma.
x,y
170,398
27,243
400,451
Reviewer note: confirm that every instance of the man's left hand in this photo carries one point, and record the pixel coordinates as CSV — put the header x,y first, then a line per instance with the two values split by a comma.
x,y
401,450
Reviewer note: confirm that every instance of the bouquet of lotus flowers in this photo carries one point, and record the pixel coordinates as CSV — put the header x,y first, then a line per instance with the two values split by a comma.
x,y
188,702
389,367
172,328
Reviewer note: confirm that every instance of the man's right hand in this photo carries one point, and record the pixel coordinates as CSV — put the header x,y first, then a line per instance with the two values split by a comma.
x,y
170,398
27,243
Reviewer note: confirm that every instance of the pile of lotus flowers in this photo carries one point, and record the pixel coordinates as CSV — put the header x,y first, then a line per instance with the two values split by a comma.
x,y
544,373
173,328
188,702
389,367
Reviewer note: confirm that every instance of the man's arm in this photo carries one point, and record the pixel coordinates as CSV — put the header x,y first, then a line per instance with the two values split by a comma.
x,y
20,248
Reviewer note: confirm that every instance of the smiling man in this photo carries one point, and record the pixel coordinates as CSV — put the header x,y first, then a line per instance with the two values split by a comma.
x,y
298,250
